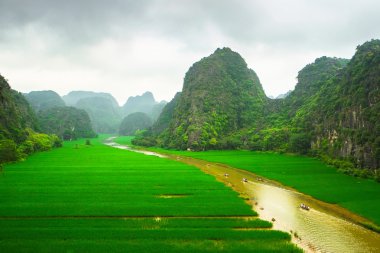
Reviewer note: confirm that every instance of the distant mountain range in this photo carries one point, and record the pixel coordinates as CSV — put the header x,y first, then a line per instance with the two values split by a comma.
x,y
280,95
333,112
41,100
102,108
144,103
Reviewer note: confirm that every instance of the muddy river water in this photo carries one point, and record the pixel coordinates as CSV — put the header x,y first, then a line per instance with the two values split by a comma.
x,y
324,228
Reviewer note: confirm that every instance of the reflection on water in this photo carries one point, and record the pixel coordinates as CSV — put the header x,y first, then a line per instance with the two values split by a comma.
x,y
316,230
110,142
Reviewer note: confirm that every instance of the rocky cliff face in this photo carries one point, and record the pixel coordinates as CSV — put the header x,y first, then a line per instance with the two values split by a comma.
x,y
15,114
347,123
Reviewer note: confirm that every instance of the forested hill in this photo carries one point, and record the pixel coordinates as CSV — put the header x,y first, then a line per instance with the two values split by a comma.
x,y
54,117
136,121
15,113
333,111
18,124
220,95
310,81
103,109
68,122
42,100
344,115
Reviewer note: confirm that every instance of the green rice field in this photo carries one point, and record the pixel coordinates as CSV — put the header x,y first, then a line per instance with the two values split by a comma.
x,y
96,198
307,175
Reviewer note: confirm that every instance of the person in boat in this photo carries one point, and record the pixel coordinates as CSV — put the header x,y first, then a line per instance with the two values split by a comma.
x,y
303,206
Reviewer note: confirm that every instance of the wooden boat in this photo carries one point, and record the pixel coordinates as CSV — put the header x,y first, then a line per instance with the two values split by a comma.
x,y
305,207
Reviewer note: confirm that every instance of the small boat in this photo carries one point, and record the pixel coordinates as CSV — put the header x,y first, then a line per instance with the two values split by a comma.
x,y
226,174
305,207
245,180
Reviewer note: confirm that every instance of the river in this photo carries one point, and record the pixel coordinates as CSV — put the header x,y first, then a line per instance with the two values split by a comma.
x,y
324,228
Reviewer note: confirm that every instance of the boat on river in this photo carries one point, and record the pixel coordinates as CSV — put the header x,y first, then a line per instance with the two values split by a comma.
x,y
305,207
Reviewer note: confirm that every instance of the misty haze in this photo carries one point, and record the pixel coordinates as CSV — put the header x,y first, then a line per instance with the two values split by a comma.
x,y
189,126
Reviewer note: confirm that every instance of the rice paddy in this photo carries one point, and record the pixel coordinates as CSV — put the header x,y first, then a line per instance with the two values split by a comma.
x,y
307,175
95,198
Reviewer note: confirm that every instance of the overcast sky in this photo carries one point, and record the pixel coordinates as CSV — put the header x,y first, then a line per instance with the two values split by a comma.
x,y
127,47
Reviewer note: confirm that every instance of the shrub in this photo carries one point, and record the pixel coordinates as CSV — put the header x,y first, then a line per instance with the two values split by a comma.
x,y
42,142
8,151
27,147
57,142
213,141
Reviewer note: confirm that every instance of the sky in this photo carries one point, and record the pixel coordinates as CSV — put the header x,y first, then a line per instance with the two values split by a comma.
x,y
127,47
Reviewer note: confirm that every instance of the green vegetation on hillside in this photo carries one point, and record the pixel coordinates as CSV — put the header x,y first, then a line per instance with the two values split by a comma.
x,y
67,122
332,113
220,95
161,126
15,114
34,142
17,127
133,122
97,198
55,118
286,128
346,111
42,100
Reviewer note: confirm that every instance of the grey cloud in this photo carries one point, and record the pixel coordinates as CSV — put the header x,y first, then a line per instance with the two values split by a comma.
x,y
74,21
86,21
65,31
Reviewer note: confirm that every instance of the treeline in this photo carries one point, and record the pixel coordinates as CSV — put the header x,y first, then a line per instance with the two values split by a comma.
x,y
10,150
